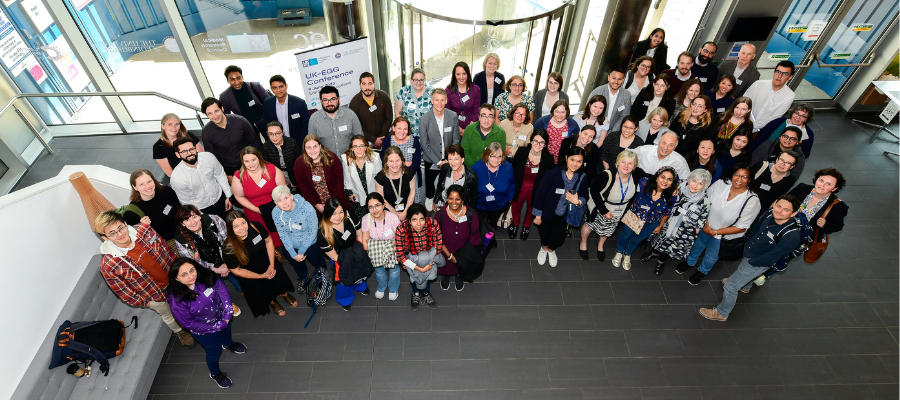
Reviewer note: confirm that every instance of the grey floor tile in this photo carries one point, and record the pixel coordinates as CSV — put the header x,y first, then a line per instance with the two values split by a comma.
x,y
679,292
401,319
731,392
619,316
547,344
858,392
587,293
864,315
281,377
417,375
456,374
259,348
650,343
827,315
359,319
487,345
240,374
349,376
763,342
859,369
431,346
690,371
638,293
671,393
565,271
884,391
787,392
308,347
708,343
173,378
519,374
388,346
599,343
507,271
612,393
564,318
458,319
634,372
891,364
511,318
672,317
535,293
867,340
485,294
747,371
820,341
359,346
888,312
542,394
583,373
803,370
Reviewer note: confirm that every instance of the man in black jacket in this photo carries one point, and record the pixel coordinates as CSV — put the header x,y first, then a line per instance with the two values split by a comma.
x,y
775,236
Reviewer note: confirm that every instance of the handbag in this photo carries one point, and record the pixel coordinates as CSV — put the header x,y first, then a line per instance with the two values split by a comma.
x,y
817,248
733,249
633,222
277,253
575,214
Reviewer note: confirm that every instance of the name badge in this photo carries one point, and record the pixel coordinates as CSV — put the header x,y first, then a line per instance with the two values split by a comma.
x,y
684,136
345,235
489,187
621,108
167,209
411,106
295,115
770,235
411,150
208,292
522,137
646,104
373,108
297,226
645,207
560,191
465,98
400,207
739,82
702,79
251,103
765,187
257,239
718,110
387,233
565,134
489,198
316,178
461,117
447,129
462,219
261,182
497,80
534,170
342,128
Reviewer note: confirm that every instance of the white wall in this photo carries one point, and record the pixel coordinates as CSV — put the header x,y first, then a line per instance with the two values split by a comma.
x,y
47,243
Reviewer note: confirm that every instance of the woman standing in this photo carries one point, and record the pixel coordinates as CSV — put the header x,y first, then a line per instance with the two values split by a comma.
x,y
396,183
558,126
455,172
417,244
518,128
360,166
283,151
584,140
685,97
463,96
458,227
163,152
156,202
250,254
653,46
688,218
704,157
200,237
650,209
734,207
377,237
721,94
409,147
693,124
619,141
558,194
252,187
337,240
821,195
530,163
612,190
498,184
414,101
653,96
736,119
594,114
734,151
296,222
800,116
656,123
490,82
514,94
200,303
438,131
639,75
545,98
320,175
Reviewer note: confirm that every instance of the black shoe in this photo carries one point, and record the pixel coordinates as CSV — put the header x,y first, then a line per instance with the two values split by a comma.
x,y
445,282
525,232
648,256
236,348
365,292
568,232
601,255
414,302
460,284
583,254
301,287
696,278
512,231
682,267
429,299
347,307
660,265
222,380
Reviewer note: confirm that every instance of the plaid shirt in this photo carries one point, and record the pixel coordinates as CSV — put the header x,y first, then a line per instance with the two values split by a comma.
x,y
408,241
126,278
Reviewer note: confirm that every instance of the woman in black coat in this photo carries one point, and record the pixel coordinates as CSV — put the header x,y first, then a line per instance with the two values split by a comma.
x,y
585,140
456,169
529,164
656,40
816,198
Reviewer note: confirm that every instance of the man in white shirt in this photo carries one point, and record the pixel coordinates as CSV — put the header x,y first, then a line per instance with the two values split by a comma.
x,y
618,101
200,180
744,73
652,157
771,99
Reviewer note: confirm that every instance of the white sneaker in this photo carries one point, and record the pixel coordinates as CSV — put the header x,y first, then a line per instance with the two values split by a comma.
x,y
429,204
759,281
617,260
393,296
553,259
542,256
626,262
379,295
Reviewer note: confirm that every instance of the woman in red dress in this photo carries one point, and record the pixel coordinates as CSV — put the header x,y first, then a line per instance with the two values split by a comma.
x,y
252,186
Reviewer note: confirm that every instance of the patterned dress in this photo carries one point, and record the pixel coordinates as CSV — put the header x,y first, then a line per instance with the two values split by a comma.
x,y
502,104
693,218
414,107
556,137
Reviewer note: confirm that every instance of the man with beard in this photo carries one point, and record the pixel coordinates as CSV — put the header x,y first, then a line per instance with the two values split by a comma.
x,y
703,66
682,73
225,135
243,99
744,73
289,110
771,99
373,108
199,180
618,101
335,125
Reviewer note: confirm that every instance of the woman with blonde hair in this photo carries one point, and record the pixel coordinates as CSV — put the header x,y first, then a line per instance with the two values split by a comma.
x,y
652,127
171,128
693,125
490,81
252,186
360,164
320,175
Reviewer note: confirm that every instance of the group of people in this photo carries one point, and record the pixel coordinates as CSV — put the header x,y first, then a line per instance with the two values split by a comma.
x,y
381,186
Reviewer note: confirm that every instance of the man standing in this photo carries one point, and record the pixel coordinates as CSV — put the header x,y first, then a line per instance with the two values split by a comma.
x,y
775,236
703,67
652,157
335,125
771,99
681,73
199,180
373,108
771,149
135,264
244,100
477,136
744,73
619,101
225,135
289,110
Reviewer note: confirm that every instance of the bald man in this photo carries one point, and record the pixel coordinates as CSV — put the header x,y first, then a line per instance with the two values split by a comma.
x,y
745,73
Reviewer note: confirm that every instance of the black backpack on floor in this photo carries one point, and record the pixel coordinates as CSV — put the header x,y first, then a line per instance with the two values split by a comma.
x,y
89,341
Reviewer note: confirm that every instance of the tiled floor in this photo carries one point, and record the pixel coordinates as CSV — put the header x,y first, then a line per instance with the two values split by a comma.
x,y
584,329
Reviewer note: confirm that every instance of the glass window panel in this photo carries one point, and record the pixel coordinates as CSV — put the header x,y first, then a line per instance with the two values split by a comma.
x,y
791,40
586,48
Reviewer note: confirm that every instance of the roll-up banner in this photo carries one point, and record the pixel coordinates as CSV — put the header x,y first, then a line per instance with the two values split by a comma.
x,y
338,65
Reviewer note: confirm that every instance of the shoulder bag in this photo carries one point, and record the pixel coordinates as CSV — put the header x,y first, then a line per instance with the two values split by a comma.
x,y
575,214
818,246
733,249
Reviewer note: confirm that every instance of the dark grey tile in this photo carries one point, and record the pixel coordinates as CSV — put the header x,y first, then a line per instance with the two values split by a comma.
x,y
888,312
638,293
511,318
293,320
803,370
859,369
815,341
416,375
487,345
672,317
884,391
388,346
546,344
878,290
867,340
650,343
358,346
864,314
507,271
774,316
455,374
859,392
248,396
834,290
359,319
542,394
826,315
891,364
173,378
763,342
124,156
671,393
490,394
874,268
239,373
304,347
594,271
259,348
599,343
690,371
565,271
566,318
431,346
519,374
731,392
611,393
747,371
485,294
577,373
458,319
402,319
281,377
348,375
535,293
634,372
587,293
619,316
787,392
678,292
708,343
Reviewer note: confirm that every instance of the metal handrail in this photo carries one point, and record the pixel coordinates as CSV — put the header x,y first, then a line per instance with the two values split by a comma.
x,y
87,94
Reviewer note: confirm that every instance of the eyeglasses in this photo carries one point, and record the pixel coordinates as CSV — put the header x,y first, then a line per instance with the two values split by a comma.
x,y
705,51
516,85
486,115
780,161
789,138
330,100
698,105
538,142
782,73
797,113
117,232
191,150
358,146
375,206
518,114
274,133
418,80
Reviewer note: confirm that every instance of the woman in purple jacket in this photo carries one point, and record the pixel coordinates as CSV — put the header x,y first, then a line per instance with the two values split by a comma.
x,y
201,305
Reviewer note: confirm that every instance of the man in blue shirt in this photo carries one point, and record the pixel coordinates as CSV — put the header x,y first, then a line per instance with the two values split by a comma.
x,y
772,238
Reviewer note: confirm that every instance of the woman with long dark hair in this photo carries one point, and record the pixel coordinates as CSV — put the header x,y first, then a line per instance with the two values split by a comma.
x,y
594,114
418,243
721,94
560,191
252,186
653,96
338,241
530,164
735,119
704,157
377,237
361,164
463,97
653,46
685,97
200,237
735,150
650,209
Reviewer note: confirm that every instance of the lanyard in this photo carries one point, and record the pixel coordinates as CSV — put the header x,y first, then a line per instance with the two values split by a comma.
x,y
396,188
459,96
625,190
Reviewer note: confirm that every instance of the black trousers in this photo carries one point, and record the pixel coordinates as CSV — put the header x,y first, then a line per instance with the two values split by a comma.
x,y
553,232
430,176
490,217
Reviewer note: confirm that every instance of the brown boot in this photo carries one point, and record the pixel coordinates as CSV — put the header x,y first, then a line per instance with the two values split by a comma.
x,y
186,339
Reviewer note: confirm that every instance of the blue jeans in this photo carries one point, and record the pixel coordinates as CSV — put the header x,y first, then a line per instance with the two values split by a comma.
x,y
388,278
234,281
742,278
629,241
212,343
313,255
426,288
711,245
344,295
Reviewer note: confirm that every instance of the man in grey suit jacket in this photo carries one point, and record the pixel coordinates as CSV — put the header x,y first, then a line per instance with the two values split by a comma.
x,y
744,73
618,101
436,133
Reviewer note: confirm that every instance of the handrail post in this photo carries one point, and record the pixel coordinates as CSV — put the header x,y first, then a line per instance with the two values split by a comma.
x,y
33,130
199,119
